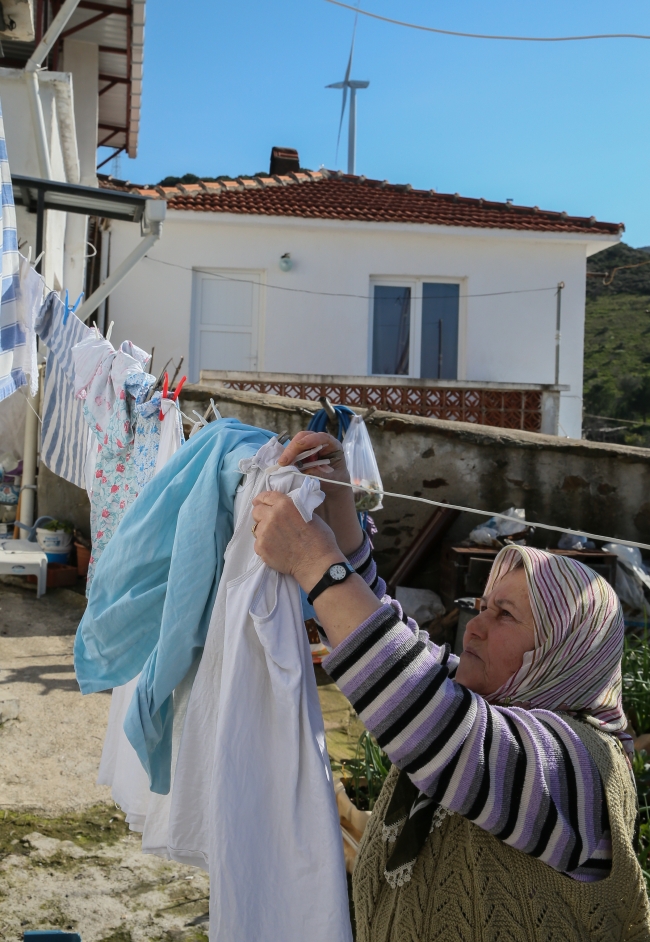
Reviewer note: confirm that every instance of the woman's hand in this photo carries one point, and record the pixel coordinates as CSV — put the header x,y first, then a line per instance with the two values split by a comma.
x,y
338,510
306,551
289,545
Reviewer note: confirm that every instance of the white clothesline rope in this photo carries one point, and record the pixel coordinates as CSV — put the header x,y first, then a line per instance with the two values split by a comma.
x,y
485,513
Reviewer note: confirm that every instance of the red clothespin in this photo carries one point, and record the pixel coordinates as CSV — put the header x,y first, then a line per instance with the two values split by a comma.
x,y
176,392
164,393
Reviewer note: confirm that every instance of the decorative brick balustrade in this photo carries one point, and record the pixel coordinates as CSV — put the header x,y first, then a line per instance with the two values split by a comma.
x,y
504,408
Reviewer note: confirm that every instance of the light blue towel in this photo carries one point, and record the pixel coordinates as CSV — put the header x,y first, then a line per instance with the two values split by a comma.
x,y
155,585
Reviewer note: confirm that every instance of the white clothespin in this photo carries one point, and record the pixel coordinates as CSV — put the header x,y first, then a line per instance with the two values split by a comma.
x,y
217,414
202,420
110,330
97,333
37,260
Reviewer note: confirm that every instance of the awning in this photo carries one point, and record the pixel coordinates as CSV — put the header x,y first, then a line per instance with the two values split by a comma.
x,y
37,195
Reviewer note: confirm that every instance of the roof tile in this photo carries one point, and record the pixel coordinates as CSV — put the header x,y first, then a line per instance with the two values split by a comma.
x,y
346,197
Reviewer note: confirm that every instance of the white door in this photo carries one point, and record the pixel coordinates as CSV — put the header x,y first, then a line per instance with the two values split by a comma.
x,y
225,322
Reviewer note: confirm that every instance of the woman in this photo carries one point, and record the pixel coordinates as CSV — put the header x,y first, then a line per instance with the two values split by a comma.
x,y
510,810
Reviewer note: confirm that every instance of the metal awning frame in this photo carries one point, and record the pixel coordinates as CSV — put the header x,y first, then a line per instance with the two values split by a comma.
x,y
38,195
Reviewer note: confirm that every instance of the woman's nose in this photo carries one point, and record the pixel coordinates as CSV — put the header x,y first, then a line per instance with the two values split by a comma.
x,y
478,625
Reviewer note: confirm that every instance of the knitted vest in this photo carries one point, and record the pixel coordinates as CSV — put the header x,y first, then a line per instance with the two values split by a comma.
x,y
468,886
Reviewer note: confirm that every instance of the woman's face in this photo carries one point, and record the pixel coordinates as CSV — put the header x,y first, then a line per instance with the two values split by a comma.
x,y
496,639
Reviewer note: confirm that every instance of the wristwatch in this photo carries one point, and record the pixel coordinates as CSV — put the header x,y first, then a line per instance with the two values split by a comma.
x,y
335,575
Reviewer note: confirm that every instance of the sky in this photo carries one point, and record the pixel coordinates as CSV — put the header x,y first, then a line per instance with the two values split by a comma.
x,y
564,126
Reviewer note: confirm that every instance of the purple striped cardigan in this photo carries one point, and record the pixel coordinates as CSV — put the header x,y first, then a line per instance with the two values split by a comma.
x,y
522,775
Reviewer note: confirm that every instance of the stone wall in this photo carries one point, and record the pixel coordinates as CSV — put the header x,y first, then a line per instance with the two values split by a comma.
x,y
58,498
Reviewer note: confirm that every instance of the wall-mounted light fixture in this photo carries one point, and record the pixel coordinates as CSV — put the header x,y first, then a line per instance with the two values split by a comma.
x,y
285,262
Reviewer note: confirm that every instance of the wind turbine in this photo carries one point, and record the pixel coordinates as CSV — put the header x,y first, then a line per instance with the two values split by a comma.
x,y
353,85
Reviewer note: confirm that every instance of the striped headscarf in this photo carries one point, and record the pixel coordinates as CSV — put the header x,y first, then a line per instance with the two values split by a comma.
x,y
576,661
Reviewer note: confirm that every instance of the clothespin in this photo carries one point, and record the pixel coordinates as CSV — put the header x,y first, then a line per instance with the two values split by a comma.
x,y
176,392
164,393
97,333
217,414
68,309
37,260
110,330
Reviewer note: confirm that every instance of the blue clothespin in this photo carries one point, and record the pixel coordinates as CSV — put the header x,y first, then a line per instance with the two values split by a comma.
x,y
68,309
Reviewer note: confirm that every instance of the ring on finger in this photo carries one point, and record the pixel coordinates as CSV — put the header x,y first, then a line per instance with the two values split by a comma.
x,y
254,528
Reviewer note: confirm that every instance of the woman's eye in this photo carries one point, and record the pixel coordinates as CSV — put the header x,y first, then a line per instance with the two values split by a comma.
x,y
504,611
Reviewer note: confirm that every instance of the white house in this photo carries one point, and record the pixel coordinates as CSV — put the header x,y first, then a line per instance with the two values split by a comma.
x,y
341,279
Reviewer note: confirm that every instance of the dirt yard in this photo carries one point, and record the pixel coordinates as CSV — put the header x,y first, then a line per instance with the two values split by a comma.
x,y
67,859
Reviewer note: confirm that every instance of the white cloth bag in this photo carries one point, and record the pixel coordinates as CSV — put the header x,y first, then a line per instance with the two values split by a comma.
x,y
253,799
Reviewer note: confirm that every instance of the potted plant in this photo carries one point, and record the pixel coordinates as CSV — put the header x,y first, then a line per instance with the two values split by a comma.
x,y
361,780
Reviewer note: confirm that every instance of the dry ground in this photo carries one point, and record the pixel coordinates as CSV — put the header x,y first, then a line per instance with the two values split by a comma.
x,y
66,857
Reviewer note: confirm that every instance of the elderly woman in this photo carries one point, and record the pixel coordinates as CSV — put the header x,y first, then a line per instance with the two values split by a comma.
x,y
510,810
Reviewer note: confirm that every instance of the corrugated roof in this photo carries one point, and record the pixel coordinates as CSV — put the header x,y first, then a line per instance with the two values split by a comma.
x,y
120,37
334,195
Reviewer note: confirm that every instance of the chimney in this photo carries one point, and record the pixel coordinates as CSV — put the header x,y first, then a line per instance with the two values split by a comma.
x,y
284,160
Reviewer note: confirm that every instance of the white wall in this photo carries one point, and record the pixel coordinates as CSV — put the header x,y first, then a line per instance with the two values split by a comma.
x,y
507,337
58,113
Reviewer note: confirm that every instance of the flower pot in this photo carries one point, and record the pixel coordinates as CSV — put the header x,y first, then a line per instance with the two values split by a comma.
x,y
353,823
53,541
83,559
58,576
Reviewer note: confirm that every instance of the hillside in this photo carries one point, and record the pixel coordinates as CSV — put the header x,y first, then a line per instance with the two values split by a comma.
x,y
617,347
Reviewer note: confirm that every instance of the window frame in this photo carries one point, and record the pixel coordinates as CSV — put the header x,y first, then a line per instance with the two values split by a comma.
x,y
415,328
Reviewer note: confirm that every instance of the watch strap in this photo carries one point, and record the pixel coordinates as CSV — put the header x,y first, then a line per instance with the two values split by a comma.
x,y
327,581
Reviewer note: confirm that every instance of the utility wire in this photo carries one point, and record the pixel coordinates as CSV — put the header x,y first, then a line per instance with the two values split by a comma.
x,y
520,39
336,294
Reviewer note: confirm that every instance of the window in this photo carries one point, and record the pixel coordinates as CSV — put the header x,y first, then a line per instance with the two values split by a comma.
x,y
391,330
439,346
415,329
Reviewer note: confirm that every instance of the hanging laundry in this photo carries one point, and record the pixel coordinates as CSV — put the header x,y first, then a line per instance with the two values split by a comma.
x,y
108,381
146,812
64,430
30,299
150,602
253,799
155,441
12,334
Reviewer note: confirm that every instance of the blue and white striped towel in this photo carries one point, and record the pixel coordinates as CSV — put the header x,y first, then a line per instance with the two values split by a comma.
x,y
64,432
12,332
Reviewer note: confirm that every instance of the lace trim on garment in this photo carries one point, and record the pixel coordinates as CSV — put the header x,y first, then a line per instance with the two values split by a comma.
x,y
439,816
390,832
399,877
403,873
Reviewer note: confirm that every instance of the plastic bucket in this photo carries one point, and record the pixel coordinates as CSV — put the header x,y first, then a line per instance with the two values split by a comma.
x,y
61,557
54,541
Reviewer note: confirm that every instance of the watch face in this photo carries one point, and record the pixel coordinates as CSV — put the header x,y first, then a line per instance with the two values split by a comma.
x,y
338,572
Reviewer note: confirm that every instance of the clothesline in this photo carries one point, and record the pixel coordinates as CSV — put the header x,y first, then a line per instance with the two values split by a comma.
x,y
486,513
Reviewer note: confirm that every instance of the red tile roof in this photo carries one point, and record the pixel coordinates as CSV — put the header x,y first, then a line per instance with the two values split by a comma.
x,y
334,195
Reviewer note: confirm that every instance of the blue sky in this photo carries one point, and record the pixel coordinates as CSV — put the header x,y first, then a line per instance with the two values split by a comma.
x,y
565,126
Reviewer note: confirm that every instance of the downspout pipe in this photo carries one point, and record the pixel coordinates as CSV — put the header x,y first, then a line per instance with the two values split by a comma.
x,y
31,80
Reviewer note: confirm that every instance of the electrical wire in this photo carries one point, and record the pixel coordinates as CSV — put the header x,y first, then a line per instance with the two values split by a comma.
x,y
519,39
337,294
485,513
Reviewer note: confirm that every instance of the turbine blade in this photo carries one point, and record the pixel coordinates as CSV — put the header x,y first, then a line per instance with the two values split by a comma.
x,y
338,139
